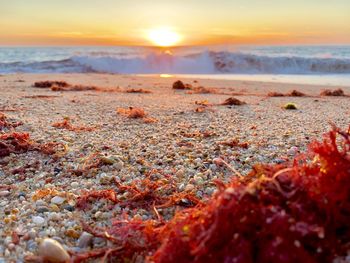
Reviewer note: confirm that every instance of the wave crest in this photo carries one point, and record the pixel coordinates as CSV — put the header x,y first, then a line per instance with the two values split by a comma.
x,y
200,63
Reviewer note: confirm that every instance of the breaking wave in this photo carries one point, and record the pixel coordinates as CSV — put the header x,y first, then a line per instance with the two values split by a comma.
x,y
199,63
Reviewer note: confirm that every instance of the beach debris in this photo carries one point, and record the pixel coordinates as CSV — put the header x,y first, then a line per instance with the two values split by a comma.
x,y
20,142
233,101
202,90
235,143
145,193
66,124
297,211
328,92
5,122
52,251
275,94
180,85
204,103
296,93
41,97
50,84
138,91
293,93
290,106
136,113
64,86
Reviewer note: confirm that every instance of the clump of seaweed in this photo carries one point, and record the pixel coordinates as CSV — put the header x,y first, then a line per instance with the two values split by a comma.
x,y
180,85
5,122
202,90
275,94
276,213
136,113
20,142
328,92
298,211
233,101
67,125
50,84
296,93
138,91
235,143
145,193
41,97
64,86
293,93
290,106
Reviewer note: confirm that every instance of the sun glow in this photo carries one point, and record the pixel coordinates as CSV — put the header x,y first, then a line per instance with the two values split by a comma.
x,y
163,37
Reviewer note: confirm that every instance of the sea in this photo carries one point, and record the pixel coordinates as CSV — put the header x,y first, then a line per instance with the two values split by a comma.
x,y
327,65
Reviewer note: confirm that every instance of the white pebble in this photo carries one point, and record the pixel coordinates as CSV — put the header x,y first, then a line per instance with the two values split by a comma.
x,y
52,251
38,220
74,184
58,200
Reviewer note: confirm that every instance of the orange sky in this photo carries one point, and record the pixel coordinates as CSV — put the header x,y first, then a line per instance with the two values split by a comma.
x,y
113,22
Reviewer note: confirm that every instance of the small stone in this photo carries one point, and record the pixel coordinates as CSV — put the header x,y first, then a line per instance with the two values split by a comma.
x,y
189,187
53,251
107,160
54,216
72,233
40,203
42,209
69,208
38,220
74,184
21,194
4,193
58,200
85,240
54,208
118,165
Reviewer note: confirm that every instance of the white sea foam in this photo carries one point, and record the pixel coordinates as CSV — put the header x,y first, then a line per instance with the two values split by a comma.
x,y
128,60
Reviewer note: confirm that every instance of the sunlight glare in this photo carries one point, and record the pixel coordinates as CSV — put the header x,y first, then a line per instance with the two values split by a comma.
x,y
163,37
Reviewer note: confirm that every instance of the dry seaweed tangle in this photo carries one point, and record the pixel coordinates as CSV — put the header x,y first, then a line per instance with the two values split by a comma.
x,y
232,101
64,86
67,125
5,122
138,91
136,113
19,142
328,92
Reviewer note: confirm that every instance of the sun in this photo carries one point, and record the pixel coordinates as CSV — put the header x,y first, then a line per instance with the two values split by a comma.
x,y
163,37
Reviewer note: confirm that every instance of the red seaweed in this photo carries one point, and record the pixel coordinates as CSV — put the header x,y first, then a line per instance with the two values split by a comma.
x,y
20,142
6,123
67,125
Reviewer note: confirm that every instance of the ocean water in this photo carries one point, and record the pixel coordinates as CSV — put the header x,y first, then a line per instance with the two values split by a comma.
x,y
303,64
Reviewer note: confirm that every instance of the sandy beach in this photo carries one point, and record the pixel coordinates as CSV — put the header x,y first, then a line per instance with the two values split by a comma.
x,y
39,192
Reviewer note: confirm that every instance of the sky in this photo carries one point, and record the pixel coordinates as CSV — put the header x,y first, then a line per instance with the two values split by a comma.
x,y
199,22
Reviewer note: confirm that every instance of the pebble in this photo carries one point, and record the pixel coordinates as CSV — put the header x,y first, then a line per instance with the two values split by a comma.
x,y
58,200
38,220
74,184
52,251
42,209
4,193
85,240
54,216
69,208
40,203
189,187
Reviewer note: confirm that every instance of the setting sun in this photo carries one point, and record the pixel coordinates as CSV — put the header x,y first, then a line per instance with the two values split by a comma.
x,y
163,37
